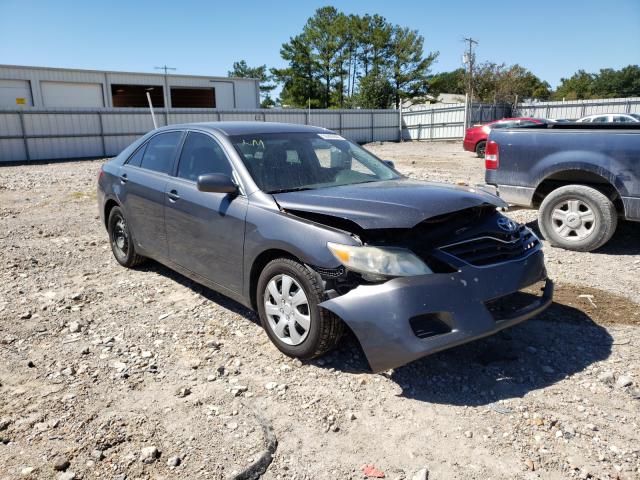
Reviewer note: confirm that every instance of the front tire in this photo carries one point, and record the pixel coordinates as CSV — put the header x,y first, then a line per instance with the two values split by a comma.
x,y
121,240
577,217
480,148
288,295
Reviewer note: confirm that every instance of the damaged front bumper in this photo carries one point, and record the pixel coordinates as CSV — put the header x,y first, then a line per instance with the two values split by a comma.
x,y
407,318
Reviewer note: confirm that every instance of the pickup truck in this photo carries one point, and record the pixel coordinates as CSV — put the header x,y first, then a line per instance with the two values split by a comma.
x,y
581,177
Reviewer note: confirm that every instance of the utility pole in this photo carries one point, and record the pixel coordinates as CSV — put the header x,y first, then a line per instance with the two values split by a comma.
x,y
167,94
470,61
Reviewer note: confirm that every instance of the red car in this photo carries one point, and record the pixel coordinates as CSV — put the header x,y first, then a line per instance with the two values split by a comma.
x,y
475,139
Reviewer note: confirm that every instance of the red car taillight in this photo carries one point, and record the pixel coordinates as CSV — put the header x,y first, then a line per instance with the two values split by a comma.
x,y
492,156
100,174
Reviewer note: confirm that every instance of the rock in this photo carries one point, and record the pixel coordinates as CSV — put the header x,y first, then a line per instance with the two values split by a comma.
x,y
468,434
530,465
147,354
30,364
67,476
97,454
174,461
25,316
422,474
232,426
26,471
351,416
69,371
149,454
183,392
60,463
271,385
4,424
607,377
119,366
559,433
74,327
623,381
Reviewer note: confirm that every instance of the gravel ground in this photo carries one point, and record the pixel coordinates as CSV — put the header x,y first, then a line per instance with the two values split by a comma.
x,y
113,373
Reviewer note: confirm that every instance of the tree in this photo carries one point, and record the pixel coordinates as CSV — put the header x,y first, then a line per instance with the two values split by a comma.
x,y
375,91
578,86
341,60
325,35
299,81
242,70
499,83
408,67
448,82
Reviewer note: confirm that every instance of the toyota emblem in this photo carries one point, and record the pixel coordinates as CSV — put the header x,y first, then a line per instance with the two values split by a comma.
x,y
507,225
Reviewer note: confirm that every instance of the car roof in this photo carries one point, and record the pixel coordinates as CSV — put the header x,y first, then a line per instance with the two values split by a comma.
x,y
248,128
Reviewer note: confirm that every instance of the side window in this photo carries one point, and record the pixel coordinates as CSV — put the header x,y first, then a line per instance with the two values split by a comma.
x,y
621,119
603,119
201,154
136,158
160,152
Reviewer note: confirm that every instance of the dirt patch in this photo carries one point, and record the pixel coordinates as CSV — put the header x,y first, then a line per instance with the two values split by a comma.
x,y
602,307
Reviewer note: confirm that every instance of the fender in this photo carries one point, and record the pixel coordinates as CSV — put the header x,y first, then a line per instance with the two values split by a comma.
x,y
592,162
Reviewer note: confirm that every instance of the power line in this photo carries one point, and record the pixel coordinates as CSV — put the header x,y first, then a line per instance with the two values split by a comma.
x,y
165,68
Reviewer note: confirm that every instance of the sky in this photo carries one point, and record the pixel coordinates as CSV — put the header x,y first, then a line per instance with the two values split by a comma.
x,y
551,38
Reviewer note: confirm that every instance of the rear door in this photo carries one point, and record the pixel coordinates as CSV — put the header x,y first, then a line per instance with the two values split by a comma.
x,y
144,178
205,230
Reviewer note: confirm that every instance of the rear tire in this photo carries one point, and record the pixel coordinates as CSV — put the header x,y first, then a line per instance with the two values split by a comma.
x,y
121,240
288,295
577,217
480,148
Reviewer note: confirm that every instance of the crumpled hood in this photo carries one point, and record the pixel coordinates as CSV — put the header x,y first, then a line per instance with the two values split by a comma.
x,y
399,203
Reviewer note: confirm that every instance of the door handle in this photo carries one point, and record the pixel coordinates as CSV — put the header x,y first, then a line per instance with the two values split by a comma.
x,y
173,195
123,178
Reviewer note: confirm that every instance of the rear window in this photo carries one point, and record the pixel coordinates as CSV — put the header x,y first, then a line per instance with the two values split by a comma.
x,y
161,151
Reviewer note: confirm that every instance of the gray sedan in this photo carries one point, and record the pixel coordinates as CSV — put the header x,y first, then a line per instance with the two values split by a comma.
x,y
317,234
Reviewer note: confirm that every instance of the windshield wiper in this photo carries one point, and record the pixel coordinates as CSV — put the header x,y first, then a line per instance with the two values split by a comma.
x,y
295,189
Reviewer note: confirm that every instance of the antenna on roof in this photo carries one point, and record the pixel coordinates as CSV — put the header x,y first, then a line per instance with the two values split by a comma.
x,y
165,68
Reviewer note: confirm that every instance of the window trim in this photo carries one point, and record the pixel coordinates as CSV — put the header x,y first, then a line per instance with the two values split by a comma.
x,y
172,166
235,176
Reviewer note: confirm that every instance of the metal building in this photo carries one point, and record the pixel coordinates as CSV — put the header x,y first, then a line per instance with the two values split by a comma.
x,y
43,87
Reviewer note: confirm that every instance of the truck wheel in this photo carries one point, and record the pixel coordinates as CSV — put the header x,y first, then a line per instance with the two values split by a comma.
x,y
480,148
288,294
577,217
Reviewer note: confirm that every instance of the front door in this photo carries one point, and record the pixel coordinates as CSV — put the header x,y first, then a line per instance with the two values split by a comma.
x,y
205,230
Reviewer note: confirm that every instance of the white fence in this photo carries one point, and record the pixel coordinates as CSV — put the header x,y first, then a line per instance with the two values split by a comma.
x,y
575,109
447,121
47,134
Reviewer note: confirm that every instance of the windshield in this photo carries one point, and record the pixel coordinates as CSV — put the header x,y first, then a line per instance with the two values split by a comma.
x,y
281,162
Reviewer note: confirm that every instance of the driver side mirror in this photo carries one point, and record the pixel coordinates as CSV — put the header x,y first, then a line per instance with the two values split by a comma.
x,y
389,163
216,183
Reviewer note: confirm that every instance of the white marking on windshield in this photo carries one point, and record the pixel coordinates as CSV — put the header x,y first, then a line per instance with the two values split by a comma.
x,y
331,136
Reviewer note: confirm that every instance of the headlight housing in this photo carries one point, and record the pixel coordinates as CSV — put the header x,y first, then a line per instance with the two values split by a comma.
x,y
379,261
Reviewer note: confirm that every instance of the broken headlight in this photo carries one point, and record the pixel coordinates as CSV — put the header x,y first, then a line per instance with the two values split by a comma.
x,y
377,262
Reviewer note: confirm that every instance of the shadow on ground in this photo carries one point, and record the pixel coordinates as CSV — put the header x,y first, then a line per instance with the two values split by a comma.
x,y
623,242
558,343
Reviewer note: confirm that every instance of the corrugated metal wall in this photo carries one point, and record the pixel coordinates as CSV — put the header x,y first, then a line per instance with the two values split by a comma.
x,y
575,109
447,121
35,134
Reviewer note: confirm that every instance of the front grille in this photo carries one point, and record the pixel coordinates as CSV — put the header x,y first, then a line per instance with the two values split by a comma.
x,y
489,249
